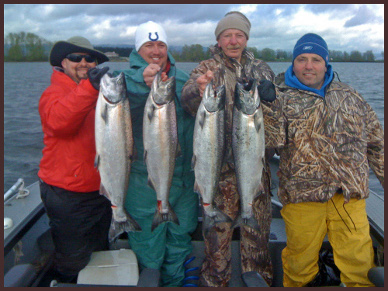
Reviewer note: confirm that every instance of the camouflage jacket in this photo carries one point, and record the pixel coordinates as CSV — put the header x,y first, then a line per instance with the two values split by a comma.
x,y
328,143
234,71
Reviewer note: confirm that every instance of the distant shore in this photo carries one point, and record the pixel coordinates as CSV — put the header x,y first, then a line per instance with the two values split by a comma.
x,y
126,59
119,59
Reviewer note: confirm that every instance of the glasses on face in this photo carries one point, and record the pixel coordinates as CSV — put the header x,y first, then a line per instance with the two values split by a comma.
x,y
78,58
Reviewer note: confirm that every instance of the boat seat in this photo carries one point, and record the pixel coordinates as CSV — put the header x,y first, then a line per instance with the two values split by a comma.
x,y
20,276
376,276
253,279
113,267
148,278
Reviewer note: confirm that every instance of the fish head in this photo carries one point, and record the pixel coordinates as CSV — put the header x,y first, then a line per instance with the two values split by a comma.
x,y
246,97
163,92
113,88
214,100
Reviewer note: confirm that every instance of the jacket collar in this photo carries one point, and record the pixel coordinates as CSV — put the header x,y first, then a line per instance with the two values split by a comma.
x,y
292,81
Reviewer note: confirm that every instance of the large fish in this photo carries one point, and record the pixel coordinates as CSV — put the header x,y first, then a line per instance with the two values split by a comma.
x,y
208,152
114,147
248,147
160,139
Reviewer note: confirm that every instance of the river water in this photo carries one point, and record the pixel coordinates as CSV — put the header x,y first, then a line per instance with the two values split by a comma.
x,y
25,82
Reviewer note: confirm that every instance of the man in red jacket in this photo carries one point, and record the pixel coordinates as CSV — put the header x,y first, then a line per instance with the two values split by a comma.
x,y
79,216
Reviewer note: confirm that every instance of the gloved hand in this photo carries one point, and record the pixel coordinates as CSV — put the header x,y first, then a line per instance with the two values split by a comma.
x,y
95,74
266,90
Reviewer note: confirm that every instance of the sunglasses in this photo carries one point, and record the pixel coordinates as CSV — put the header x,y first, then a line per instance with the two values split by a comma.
x,y
78,58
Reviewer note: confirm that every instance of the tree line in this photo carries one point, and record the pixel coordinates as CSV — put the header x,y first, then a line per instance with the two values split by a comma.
x,y
26,47
21,47
196,53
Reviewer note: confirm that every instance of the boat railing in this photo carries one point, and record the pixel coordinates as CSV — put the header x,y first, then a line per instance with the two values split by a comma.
x,y
17,189
377,195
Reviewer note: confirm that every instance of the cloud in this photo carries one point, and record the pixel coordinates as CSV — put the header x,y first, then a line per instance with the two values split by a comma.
x,y
330,8
276,26
364,15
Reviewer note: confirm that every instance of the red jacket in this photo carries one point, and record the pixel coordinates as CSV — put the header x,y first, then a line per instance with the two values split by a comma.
x,y
67,112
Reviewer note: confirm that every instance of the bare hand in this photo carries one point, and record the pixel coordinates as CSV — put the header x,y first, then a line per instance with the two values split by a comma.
x,y
164,77
149,74
203,80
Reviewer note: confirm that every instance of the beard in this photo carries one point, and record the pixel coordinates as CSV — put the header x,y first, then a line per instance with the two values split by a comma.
x,y
82,73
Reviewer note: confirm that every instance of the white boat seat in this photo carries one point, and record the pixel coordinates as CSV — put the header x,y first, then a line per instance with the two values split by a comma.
x,y
113,267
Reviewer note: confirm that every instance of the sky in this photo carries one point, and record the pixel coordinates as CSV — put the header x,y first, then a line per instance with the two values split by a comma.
x,y
345,27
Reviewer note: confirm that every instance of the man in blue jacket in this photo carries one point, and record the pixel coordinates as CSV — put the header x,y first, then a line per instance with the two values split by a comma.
x,y
166,247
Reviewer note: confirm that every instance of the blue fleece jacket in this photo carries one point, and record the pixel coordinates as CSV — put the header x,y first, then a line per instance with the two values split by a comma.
x,y
292,81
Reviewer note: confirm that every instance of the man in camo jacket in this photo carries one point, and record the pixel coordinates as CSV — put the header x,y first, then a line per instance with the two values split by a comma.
x,y
230,55
331,135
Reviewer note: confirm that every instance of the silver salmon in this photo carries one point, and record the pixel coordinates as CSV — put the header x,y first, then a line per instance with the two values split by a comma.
x,y
248,146
208,152
114,147
160,139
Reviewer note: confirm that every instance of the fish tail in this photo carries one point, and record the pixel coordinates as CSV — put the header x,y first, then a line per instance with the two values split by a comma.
x,y
119,227
159,217
217,216
251,222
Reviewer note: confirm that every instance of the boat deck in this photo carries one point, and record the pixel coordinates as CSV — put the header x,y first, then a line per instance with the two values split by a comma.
x,y
30,224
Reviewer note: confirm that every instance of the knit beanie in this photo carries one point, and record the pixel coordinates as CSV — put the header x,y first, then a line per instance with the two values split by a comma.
x,y
235,20
149,31
311,43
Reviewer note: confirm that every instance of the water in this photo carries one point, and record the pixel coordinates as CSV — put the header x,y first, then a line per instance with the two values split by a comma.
x,y
25,82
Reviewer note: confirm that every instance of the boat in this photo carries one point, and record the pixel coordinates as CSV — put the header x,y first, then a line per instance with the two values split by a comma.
x,y
28,248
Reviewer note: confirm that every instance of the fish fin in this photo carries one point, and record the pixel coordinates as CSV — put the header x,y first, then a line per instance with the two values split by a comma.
x,y
97,161
178,150
104,114
145,156
193,161
202,118
258,122
117,227
135,154
210,221
150,112
251,222
131,159
259,191
103,191
159,217
196,188
150,183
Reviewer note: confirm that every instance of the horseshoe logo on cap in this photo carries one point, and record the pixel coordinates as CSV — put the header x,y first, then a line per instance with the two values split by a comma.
x,y
153,39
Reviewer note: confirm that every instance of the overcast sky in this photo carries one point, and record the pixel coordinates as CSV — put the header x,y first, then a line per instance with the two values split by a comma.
x,y
345,27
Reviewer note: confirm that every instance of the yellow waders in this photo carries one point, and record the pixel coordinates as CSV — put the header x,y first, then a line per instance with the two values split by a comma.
x,y
306,226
